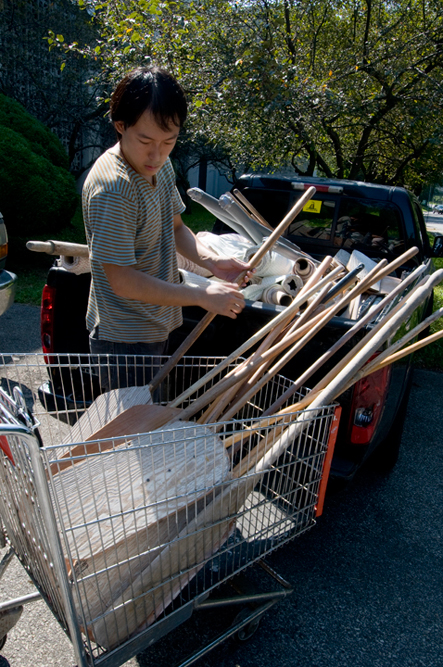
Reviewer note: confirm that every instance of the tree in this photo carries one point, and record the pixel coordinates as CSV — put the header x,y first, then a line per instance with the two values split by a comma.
x,y
57,90
348,88
37,192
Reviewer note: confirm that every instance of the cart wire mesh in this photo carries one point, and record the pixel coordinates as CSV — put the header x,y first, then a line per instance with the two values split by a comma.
x,y
119,533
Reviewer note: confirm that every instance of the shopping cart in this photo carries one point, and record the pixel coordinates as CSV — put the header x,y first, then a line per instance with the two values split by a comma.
x,y
125,536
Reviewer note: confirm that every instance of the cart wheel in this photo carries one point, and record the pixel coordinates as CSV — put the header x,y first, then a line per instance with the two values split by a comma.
x,y
8,618
247,631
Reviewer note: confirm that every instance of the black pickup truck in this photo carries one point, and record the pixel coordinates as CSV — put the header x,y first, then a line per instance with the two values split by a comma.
x,y
379,221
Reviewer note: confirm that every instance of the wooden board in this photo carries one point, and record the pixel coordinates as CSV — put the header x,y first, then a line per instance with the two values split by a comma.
x,y
134,420
121,508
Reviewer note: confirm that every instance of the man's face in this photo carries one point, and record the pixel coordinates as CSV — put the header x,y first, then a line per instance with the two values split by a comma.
x,y
145,145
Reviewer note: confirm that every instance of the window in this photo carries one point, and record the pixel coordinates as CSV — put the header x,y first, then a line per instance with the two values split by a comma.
x,y
315,220
369,226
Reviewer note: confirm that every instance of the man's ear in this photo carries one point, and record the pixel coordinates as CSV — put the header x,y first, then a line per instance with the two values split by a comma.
x,y
119,126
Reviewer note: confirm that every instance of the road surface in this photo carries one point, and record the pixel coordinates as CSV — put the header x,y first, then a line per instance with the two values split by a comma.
x,y
368,581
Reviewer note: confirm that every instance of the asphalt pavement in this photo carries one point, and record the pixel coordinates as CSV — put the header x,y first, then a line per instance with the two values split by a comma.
x,y
434,223
367,579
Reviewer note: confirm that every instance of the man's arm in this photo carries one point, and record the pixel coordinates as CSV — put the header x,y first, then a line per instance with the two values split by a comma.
x,y
130,283
189,246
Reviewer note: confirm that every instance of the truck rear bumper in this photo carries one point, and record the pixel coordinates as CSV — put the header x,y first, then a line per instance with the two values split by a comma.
x,y
8,283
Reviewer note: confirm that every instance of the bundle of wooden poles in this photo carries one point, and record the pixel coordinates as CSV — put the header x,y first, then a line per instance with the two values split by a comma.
x,y
127,577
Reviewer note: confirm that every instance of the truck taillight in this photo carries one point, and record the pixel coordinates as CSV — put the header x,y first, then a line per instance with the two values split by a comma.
x,y
47,319
367,405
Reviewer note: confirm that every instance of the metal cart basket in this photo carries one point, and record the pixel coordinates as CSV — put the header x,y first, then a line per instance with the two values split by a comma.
x,y
125,535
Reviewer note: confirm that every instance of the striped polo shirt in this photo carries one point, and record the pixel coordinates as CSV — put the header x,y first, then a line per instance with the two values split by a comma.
x,y
130,222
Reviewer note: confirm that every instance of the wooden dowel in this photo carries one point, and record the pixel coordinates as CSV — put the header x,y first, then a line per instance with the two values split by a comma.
x,y
249,207
304,377
301,343
255,383
220,403
252,390
59,248
358,347
377,273
214,412
396,356
205,321
342,379
379,362
237,375
284,315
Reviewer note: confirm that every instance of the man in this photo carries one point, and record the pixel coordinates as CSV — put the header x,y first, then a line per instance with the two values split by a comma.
x,y
132,213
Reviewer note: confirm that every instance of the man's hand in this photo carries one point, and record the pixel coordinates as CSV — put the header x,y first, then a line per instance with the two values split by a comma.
x,y
223,299
230,269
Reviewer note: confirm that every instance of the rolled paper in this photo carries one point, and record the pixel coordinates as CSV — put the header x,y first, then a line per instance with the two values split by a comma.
x,y
213,206
273,263
304,268
275,295
75,265
292,284
253,292
228,204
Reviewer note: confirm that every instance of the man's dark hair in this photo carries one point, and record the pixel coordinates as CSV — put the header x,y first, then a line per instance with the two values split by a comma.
x,y
149,89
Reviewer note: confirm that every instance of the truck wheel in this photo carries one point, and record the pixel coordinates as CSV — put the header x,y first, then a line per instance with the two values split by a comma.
x,y
385,456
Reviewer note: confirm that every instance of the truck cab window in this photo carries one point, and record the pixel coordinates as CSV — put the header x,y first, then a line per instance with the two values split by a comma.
x,y
315,221
371,227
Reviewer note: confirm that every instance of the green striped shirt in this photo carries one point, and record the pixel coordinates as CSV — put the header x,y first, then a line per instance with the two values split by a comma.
x,y
130,222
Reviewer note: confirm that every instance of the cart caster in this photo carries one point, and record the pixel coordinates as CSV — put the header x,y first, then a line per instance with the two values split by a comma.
x,y
8,619
247,631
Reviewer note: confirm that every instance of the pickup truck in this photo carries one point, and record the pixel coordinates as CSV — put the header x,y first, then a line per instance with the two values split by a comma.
x,y
379,221
8,280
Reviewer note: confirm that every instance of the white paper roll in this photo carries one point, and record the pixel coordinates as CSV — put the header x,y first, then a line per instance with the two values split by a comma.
x,y
275,295
76,265
272,263
253,292
292,284
304,268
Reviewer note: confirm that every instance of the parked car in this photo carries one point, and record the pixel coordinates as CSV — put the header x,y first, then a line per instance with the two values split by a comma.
x,y
8,280
380,221
439,209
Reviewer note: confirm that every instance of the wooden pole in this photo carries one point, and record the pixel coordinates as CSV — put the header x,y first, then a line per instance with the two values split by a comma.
x,y
341,377
284,315
205,321
304,377
59,248
213,412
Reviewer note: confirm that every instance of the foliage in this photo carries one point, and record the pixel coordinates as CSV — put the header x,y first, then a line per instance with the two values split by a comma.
x,y
431,357
350,89
37,195
57,89
41,140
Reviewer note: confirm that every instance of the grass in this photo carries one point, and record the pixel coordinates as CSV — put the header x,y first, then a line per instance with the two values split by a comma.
x,y
431,357
32,276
